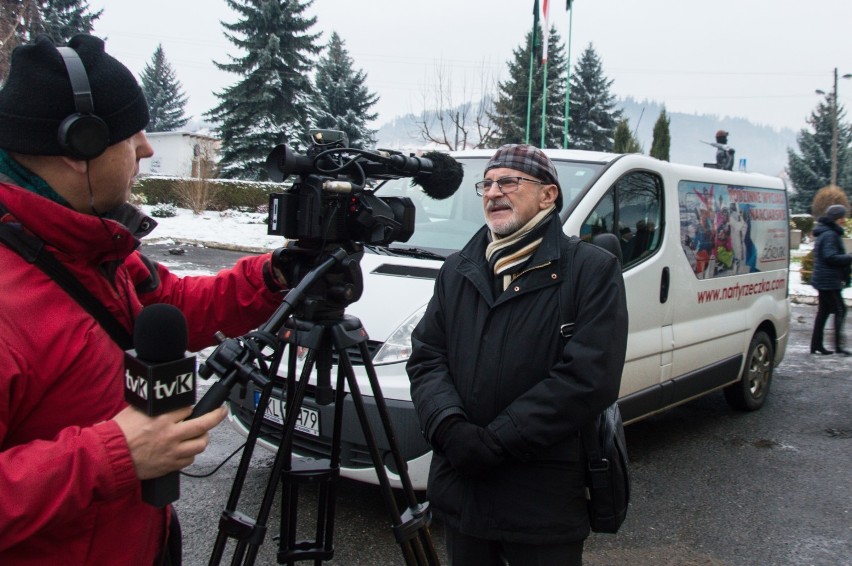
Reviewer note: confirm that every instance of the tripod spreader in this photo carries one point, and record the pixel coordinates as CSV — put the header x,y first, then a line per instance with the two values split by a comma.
x,y
233,359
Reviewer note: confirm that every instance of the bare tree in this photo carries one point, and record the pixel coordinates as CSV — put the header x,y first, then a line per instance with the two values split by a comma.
x,y
16,16
22,21
453,124
196,192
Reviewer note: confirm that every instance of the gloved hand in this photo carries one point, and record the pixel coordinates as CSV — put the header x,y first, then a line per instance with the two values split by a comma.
x,y
470,449
286,267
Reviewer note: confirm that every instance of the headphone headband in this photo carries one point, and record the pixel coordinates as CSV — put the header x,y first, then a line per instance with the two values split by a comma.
x,y
79,81
82,135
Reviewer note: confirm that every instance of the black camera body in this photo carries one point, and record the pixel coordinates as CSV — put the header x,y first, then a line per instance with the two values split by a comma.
x,y
308,212
330,202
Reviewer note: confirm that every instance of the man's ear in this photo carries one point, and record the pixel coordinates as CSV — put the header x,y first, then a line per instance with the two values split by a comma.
x,y
77,165
550,192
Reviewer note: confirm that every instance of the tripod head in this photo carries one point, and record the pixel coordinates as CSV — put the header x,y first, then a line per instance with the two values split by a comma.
x,y
339,287
323,291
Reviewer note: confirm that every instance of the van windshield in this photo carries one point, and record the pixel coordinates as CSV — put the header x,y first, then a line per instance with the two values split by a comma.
x,y
445,226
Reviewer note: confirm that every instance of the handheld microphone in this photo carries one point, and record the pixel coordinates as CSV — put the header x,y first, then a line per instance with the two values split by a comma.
x,y
159,377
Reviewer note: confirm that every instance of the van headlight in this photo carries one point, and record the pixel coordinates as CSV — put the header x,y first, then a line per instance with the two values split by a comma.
x,y
397,348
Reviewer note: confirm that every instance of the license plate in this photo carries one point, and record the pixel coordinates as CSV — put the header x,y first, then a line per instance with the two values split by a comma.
x,y
307,422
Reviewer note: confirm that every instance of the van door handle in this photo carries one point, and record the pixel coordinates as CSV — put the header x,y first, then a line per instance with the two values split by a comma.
x,y
664,285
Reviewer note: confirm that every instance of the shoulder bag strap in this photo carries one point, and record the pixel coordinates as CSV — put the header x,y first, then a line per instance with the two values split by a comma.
x,y
589,431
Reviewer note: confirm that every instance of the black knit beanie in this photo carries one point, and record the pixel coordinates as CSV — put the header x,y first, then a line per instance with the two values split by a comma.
x,y
835,211
38,96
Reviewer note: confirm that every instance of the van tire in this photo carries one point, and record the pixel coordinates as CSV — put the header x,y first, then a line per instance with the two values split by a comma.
x,y
750,392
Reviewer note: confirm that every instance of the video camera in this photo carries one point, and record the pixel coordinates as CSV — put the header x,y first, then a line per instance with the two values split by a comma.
x,y
332,201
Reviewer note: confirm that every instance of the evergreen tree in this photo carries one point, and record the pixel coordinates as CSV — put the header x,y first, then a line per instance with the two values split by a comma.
x,y
662,139
593,117
810,169
624,140
510,107
342,101
269,104
22,21
166,100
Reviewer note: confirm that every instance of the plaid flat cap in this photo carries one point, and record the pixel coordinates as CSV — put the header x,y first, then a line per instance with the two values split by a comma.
x,y
527,159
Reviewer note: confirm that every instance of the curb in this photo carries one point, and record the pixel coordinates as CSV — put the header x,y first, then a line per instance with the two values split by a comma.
x,y
212,245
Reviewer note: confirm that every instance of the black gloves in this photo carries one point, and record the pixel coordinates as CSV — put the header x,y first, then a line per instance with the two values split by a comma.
x,y
470,449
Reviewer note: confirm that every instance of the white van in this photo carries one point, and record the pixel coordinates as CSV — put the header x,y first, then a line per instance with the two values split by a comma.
x,y
706,264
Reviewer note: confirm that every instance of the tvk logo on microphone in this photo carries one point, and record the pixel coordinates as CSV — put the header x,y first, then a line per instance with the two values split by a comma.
x,y
157,388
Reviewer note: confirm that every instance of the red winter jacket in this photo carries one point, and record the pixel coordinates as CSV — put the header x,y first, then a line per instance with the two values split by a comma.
x,y
68,490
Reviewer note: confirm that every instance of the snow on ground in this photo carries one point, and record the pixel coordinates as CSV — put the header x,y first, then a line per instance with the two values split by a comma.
x,y
227,229
243,230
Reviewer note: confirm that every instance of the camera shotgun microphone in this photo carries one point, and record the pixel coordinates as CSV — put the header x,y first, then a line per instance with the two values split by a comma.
x,y
436,172
159,377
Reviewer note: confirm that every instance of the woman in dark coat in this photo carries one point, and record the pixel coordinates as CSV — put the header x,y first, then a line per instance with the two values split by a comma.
x,y
830,276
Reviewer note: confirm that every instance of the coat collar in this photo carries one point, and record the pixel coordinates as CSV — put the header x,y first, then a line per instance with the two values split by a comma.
x,y
81,236
474,266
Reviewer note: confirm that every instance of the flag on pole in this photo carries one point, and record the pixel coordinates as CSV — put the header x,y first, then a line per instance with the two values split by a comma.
x,y
535,26
545,32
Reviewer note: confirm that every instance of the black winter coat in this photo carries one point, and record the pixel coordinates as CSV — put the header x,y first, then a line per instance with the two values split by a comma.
x,y
831,262
501,362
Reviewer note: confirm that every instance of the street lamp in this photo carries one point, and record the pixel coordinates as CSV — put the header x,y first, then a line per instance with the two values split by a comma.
x,y
833,97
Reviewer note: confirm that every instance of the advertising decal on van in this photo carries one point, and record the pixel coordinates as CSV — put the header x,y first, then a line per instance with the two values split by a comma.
x,y
729,230
738,291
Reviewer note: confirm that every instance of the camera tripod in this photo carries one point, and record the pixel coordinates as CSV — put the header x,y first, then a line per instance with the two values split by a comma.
x,y
318,323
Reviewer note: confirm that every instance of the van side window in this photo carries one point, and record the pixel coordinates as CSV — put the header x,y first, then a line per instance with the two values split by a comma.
x,y
632,209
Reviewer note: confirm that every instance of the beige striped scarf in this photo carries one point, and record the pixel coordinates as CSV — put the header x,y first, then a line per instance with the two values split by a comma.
x,y
507,255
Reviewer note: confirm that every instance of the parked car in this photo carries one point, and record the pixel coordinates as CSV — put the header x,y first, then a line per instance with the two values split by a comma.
x,y
706,265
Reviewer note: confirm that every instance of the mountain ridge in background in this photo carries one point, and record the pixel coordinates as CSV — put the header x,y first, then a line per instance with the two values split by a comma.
x,y
763,147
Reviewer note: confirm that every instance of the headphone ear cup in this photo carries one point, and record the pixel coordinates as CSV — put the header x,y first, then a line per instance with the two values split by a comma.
x,y
83,136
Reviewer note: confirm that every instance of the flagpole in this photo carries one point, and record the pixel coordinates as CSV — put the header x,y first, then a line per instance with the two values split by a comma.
x,y
545,40
532,61
529,89
568,77
544,104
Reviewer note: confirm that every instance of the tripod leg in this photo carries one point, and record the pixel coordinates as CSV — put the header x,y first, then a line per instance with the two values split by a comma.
x,y
231,523
282,466
415,551
417,514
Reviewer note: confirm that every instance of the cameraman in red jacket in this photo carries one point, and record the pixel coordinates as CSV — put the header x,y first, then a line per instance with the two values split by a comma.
x,y
72,453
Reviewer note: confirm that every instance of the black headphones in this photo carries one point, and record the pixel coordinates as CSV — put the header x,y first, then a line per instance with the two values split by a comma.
x,y
82,135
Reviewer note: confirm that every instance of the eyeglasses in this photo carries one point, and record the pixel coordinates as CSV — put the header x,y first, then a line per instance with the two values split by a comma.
x,y
505,185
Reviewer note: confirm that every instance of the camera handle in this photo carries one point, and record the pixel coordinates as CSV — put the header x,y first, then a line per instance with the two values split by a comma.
x,y
233,361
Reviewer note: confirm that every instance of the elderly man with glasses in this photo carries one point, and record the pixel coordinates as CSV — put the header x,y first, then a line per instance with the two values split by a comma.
x,y
500,389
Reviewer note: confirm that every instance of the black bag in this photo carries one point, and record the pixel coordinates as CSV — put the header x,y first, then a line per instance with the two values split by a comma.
x,y
607,473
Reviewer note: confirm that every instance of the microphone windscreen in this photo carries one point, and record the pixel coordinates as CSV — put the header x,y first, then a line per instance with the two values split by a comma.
x,y
444,179
159,334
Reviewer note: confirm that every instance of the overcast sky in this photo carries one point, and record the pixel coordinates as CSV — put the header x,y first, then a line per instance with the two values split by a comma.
x,y
757,59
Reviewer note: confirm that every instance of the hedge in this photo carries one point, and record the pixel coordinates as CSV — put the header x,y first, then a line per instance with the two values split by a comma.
x,y
228,193
803,222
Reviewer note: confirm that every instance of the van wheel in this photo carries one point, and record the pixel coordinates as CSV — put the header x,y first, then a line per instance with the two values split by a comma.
x,y
751,391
